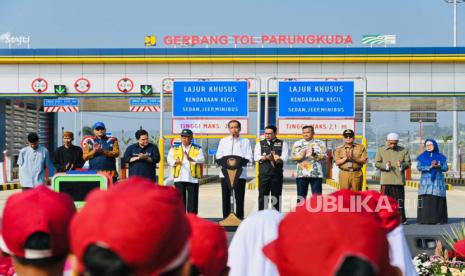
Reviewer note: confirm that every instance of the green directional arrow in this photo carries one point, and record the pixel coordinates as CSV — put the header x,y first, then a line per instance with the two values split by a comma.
x,y
60,89
146,89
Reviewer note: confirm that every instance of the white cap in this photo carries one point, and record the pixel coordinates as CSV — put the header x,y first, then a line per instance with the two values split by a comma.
x,y
392,137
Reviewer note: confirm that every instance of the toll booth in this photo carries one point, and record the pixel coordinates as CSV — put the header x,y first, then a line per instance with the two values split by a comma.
x,y
19,117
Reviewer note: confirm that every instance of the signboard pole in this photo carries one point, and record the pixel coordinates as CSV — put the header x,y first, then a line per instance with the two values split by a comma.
x,y
257,140
161,140
259,110
364,114
74,124
80,129
267,101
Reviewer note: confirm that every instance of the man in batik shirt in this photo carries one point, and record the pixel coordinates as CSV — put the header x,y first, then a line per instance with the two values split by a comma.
x,y
309,154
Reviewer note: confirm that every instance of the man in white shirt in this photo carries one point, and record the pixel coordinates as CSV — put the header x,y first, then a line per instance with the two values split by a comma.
x,y
186,161
270,153
234,145
33,161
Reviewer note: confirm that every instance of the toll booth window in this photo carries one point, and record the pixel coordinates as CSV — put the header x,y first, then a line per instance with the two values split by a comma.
x,y
78,190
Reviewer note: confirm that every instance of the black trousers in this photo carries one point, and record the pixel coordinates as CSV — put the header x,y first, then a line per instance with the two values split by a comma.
x,y
270,184
398,193
316,185
239,194
191,191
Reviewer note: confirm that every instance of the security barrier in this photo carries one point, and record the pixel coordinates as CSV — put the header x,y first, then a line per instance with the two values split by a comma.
x,y
416,184
9,186
456,181
333,183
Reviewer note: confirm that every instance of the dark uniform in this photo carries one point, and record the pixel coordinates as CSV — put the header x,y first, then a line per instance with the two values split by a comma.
x,y
143,168
350,172
64,156
270,174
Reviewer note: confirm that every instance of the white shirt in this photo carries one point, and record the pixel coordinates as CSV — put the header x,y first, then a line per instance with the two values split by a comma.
x,y
245,250
399,252
258,152
185,173
237,146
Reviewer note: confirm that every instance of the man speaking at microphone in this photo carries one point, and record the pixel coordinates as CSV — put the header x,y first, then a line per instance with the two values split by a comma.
x,y
238,146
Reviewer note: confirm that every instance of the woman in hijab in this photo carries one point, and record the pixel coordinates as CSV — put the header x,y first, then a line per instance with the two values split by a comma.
x,y
432,205
245,251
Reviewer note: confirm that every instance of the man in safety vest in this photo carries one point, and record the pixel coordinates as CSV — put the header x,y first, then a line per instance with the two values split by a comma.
x,y
186,159
102,151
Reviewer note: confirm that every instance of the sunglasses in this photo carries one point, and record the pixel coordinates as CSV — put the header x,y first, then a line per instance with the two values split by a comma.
x,y
99,128
348,136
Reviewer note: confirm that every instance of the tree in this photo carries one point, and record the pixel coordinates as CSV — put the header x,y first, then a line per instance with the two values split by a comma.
x,y
434,130
87,131
445,139
154,139
126,141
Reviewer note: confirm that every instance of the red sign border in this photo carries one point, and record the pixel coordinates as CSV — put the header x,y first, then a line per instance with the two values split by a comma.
x,y
85,138
88,88
336,119
172,124
125,78
46,85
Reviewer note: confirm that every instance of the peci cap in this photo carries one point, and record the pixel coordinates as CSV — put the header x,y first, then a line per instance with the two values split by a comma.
x,y
36,210
144,224
348,132
187,133
392,137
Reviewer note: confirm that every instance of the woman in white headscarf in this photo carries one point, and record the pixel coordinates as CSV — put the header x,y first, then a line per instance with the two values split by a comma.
x,y
245,251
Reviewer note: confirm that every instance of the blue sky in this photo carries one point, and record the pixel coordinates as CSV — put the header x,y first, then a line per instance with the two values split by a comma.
x,y
123,24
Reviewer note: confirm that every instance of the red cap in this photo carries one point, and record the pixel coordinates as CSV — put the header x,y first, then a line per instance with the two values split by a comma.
x,y
388,209
316,242
382,206
209,246
144,224
37,210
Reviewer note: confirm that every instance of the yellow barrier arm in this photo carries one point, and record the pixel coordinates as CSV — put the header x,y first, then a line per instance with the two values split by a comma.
x,y
364,168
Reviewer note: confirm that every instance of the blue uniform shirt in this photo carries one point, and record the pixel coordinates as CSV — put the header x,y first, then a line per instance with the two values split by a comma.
x,y
32,163
142,168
